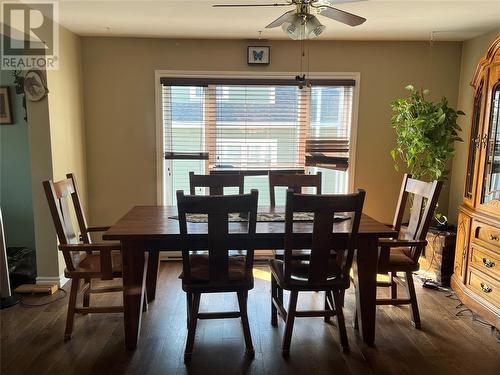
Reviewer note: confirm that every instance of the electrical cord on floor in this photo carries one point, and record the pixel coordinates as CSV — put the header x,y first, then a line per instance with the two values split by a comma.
x,y
430,284
494,331
62,296
464,311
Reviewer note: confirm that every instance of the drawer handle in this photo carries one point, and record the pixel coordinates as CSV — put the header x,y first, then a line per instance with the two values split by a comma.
x,y
486,288
488,263
494,237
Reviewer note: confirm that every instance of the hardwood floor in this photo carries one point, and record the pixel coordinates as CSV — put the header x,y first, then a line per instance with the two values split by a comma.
x,y
32,338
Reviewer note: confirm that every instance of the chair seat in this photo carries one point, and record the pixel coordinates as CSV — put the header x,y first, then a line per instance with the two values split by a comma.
x,y
91,264
237,277
300,274
400,259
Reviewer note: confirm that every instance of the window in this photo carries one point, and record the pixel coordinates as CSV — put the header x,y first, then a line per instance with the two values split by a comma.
x,y
247,124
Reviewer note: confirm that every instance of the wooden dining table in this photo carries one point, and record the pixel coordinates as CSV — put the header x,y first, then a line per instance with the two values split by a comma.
x,y
146,230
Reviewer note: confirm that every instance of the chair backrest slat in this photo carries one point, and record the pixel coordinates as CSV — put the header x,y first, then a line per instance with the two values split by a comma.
x,y
415,216
220,240
215,183
400,209
82,222
218,246
424,200
59,195
292,181
323,235
418,187
320,247
63,188
428,213
70,234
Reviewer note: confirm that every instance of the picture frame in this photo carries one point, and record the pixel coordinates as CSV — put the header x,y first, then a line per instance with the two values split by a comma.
x,y
258,55
6,117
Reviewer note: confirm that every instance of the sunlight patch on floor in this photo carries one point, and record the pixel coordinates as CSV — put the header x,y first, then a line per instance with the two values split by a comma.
x,y
261,274
380,277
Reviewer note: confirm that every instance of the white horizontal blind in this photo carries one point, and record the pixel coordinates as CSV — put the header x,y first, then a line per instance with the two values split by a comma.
x,y
255,126
234,125
184,129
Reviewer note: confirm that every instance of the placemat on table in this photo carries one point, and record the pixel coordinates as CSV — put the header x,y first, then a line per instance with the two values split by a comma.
x,y
261,216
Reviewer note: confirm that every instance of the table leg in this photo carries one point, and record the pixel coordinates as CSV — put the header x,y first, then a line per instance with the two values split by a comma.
x,y
152,274
134,280
365,274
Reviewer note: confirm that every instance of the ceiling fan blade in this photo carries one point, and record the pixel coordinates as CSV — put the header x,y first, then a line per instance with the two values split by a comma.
x,y
281,19
249,5
342,16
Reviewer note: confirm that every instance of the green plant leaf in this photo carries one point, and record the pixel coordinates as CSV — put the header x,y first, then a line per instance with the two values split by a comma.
x,y
393,154
425,134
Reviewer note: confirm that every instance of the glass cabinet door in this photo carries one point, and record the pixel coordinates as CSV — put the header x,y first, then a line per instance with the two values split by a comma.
x,y
473,145
491,179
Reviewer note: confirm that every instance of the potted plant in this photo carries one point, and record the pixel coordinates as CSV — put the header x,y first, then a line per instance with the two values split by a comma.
x,y
425,135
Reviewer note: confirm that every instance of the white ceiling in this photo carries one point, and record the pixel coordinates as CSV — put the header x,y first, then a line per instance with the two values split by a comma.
x,y
386,19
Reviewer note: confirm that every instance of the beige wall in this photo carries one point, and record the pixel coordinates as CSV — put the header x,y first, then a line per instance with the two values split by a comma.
x,y
120,105
47,261
67,129
472,51
57,146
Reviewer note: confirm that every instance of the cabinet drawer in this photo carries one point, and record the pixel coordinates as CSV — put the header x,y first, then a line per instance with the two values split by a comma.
x,y
485,286
486,261
486,235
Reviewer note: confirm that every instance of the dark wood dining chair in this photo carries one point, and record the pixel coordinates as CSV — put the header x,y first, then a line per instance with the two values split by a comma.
x,y
292,181
401,254
215,182
321,271
216,271
84,260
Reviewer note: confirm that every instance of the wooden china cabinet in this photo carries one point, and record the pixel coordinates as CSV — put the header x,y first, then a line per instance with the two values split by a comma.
x,y
476,278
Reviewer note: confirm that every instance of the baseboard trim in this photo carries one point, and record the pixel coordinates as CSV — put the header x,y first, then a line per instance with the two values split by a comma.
x,y
44,280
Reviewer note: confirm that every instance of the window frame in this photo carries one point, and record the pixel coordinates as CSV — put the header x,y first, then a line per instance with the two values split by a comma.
x,y
160,151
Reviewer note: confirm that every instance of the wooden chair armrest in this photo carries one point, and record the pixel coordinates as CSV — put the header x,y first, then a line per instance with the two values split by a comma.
x,y
385,249
391,242
90,247
98,229
104,253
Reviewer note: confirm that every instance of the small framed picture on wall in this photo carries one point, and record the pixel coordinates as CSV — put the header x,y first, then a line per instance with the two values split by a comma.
x,y
5,106
259,55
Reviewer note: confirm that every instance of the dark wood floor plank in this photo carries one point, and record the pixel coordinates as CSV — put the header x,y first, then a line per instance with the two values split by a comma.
x,y
32,338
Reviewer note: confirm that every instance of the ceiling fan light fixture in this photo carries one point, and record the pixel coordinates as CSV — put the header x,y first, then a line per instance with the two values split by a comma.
x,y
299,27
295,28
314,27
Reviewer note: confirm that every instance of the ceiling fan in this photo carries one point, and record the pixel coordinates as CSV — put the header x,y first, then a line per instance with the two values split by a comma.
x,y
300,23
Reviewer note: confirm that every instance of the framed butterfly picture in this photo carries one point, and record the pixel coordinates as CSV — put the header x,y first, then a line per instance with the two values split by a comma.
x,y
259,55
